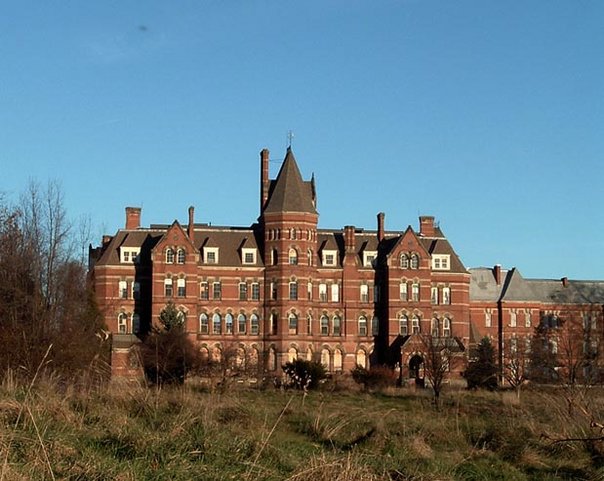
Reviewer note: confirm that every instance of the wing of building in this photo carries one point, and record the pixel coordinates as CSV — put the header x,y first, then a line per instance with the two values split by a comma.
x,y
282,288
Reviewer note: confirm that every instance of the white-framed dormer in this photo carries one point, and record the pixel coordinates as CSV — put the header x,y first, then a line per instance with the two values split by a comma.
x,y
249,255
129,255
329,258
369,258
441,262
210,255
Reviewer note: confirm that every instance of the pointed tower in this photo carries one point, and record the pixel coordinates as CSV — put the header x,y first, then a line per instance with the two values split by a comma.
x,y
289,220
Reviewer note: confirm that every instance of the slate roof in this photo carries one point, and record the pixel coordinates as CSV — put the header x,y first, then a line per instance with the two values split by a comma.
x,y
289,193
483,286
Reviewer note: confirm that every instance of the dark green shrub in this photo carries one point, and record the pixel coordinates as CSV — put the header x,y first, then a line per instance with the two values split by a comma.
x,y
376,377
302,374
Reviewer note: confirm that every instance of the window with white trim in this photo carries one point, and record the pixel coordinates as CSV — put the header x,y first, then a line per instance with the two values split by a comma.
x,y
210,255
434,328
488,318
204,290
181,256
446,327
129,255
415,292
324,325
204,324
337,360
323,292
446,295
441,262
292,323
243,291
414,261
434,295
369,258
337,326
170,256
254,324
216,324
404,261
123,289
216,291
181,287
241,324
513,318
415,326
527,318
228,323
309,324
293,257
122,323
403,325
362,326
364,293
168,287
309,291
248,255
329,257
293,291
335,293
255,291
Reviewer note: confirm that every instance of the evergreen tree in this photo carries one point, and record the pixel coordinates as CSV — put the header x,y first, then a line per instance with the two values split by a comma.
x,y
482,371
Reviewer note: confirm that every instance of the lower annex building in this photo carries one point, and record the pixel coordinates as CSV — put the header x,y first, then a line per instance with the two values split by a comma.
x,y
282,288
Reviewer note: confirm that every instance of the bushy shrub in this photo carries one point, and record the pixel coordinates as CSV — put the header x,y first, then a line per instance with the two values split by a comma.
x,y
303,374
377,377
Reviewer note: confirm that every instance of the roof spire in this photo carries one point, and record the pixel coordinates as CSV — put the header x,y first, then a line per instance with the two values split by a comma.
x,y
290,137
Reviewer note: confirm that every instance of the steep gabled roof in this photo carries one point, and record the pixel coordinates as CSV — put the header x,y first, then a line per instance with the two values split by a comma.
x,y
289,193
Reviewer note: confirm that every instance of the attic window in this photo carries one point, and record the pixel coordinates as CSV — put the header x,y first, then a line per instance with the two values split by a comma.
x,y
210,255
369,258
441,262
329,258
248,256
129,254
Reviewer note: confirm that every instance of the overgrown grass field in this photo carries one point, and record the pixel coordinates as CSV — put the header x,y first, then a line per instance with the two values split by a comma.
x,y
130,432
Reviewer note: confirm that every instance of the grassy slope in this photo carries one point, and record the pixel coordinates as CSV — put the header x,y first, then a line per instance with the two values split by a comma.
x,y
184,434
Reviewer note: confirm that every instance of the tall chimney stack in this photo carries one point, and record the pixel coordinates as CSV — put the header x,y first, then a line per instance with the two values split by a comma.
x,y
191,226
497,273
349,243
380,226
264,182
133,217
426,226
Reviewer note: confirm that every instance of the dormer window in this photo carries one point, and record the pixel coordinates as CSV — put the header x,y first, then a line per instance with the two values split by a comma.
x,y
248,256
369,258
210,255
180,256
441,262
129,255
329,258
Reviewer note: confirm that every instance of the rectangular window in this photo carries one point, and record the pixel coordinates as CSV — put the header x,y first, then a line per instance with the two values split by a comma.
x,y
403,327
204,291
329,258
362,326
440,262
293,291
446,293
249,258
337,326
216,291
123,290
335,293
512,318
415,325
415,292
168,287
248,255
293,324
255,291
487,319
242,291
364,293
210,255
323,292
402,288
136,290
324,326
309,291
181,289
434,295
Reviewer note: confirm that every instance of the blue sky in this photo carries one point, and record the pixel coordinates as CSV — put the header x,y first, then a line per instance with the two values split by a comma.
x,y
487,114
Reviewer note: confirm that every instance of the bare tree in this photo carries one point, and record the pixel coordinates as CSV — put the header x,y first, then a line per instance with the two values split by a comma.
x,y
516,362
437,358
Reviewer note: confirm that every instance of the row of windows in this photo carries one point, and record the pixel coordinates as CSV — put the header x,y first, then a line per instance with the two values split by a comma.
x,y
294,234
127,290
128,324
228,325
438,327
177,256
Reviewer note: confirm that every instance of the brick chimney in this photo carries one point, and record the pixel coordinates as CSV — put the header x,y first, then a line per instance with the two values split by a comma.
x,y
349,243
380,226
191,226
497,273
564,281
133,217
426,226
264,181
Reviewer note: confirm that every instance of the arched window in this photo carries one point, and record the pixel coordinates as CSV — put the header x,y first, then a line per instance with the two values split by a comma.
x,y
309,354
180,256
216,354
204,325
309,255
241,324
325,357
337,360
309,324
216,324
170,256
361,358
293,257
415,327
375,326
446,327
252,358
403,325
404,261
228,321
435,328
272,359
337,326
122,323
204,353
254,324
324,326
293,323
181,317
362,326
414,261
292,354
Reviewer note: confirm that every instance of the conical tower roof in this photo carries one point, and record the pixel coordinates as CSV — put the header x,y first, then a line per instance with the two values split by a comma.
x,y
289,193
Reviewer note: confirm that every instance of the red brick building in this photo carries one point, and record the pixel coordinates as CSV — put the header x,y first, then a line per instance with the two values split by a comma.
x,y
283,288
